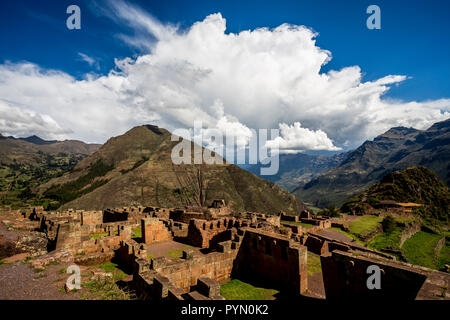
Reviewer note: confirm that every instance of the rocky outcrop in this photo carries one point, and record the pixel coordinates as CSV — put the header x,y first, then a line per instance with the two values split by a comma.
x,y
8,248
34,243
61,255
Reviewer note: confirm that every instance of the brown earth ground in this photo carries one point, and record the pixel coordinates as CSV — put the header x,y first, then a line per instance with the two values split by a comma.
x,y
20,281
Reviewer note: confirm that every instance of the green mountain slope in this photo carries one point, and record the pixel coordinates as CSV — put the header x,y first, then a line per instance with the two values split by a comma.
x,y
413,184
396,149
25,163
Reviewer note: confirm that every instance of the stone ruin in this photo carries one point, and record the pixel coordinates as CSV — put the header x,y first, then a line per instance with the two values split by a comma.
x,y
257,247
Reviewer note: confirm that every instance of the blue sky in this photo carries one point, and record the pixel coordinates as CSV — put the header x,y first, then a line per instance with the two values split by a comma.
x,y
413,40
175,62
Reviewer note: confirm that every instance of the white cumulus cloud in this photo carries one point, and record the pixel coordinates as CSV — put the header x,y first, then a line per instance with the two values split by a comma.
x,y
15,121
262,78
294,138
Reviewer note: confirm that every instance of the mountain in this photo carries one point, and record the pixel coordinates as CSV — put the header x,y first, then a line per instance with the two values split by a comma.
x,y
30,150
26,163
37,140
136,169
413,184
295,169
396,149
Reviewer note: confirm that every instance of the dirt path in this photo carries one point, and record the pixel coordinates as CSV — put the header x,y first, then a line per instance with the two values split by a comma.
x,y
19,281
334,235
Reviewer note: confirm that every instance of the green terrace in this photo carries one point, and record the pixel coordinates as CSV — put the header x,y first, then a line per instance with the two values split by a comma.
x,y
239,290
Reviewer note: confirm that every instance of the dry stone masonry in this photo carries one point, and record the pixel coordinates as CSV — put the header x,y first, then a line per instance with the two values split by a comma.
x,y
212,245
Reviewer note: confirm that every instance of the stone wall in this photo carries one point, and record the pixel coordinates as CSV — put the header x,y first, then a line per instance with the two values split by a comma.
x,y
347,246
316,245
439,245
273,220
294,228
409,229
129,251
185,272
91,217
202,232
179,229
305,214
185,216
345,277
286,217
114,216
74,238
274,259
154,230
151,285
320,223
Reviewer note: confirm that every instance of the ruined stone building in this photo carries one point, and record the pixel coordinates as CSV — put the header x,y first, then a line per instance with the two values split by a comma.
x,y
257,247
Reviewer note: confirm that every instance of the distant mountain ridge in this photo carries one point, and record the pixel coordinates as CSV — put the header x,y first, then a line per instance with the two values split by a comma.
x,y
396,149
295,169
136,169
27,150
37,140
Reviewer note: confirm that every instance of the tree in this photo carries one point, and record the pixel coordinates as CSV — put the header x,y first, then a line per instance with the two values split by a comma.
x,y
331,212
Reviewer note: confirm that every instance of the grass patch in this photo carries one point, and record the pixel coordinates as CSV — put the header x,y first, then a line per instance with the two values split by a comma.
x,y
405,220
150,256
2,262
364,225
238,290
386,240
84,296
419,249
302,224
137,234
305,225
104,289
314,265
177,253
98,235
112,268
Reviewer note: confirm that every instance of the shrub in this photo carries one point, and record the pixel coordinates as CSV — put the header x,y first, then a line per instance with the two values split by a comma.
x,y
388,224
